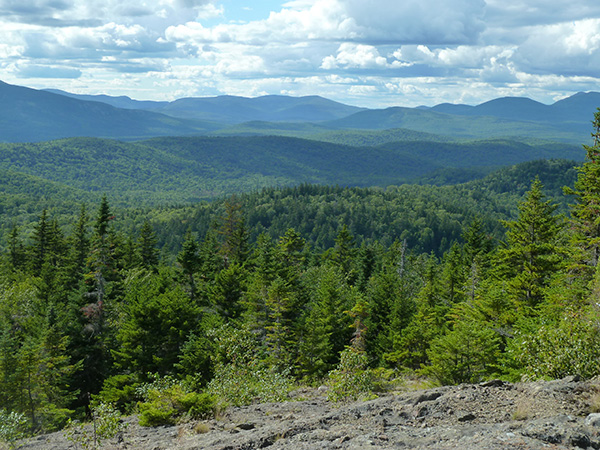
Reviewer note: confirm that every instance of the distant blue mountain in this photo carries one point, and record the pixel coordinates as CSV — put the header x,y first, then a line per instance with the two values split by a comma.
x,y
516,117
577,110
34,115
230,109
29,115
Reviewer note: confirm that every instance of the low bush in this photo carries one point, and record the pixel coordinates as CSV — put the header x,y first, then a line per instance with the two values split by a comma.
x,y
167,401
12,427
352,379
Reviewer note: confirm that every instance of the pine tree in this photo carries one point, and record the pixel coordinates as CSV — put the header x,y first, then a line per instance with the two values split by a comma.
x,y
189,261
79,243
532,254
16,250
146,247
227,291
40,238
585,213
158,319
235,247
344,252
278,330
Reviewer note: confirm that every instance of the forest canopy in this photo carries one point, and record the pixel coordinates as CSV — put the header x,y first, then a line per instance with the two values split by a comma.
x,y
309,284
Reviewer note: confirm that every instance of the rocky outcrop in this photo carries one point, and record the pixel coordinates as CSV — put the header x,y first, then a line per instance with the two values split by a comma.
x,y
494,415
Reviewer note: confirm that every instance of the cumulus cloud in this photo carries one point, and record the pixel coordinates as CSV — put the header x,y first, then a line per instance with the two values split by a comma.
x,y
350,50
352,55
575,48
417,21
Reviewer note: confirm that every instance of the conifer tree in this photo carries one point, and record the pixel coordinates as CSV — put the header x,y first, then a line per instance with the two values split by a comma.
x,y
227,291
234,232
146,247
278,330
158,319
189,261
16,250
532,254
344,252
585,213
79,243
40,238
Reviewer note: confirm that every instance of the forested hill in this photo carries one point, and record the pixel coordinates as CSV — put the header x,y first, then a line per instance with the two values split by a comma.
x,y
176,312
429,218
185,169
365,286
182,171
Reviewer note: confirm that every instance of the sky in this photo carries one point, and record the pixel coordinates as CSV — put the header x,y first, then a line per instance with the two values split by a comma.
x,y
370,53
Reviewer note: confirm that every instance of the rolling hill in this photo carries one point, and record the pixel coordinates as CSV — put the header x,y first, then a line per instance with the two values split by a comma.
x,y
29,115
230,109
461,125
179,170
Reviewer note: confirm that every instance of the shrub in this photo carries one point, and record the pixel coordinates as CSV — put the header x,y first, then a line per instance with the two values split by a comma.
x,y
243,384
352,379
545,348
240,376
166,401
12,425
106,424
120,391
467,354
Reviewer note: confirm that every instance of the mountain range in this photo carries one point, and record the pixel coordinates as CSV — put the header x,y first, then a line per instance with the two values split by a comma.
x,y
29,115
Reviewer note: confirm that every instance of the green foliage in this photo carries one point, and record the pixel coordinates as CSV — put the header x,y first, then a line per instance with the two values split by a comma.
x,y
106,423
546,348
240,377
156,320
352,379
166,401
12,427
585,211
533,252
255,383
466,354
120,390
255,292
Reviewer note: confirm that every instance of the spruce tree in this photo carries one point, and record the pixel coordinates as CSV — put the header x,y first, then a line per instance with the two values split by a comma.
x,y
40,238
189,261
532,254
146,247
16,250
585,213
234,233
79,243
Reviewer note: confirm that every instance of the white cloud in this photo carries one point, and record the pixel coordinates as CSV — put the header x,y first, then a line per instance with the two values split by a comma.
x,y
564,48
350,55
377,52
432,22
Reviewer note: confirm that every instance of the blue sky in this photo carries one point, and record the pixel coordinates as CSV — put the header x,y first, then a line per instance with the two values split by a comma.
x,y
373,53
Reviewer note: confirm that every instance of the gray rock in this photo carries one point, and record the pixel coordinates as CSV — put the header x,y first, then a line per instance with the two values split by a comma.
x,y
593,420
467,417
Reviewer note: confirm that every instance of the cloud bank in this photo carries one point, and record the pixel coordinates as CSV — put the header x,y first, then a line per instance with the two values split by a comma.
x,y
376,54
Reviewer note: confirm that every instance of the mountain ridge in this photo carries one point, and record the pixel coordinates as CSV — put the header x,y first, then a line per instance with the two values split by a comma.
x,y
28,115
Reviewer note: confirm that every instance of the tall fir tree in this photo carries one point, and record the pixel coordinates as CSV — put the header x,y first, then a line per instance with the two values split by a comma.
x,y
234,233
147,247
189,262
532,254
585,213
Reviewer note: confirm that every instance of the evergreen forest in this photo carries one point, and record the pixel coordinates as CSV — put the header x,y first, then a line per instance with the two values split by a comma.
x,y
177,311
